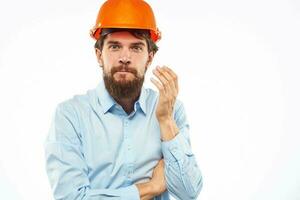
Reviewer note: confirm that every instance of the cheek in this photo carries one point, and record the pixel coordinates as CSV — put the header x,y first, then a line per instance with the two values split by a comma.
x,y
142,70
108,59
141,62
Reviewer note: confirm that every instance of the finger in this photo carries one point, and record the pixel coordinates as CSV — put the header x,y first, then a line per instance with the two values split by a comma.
x,y
158,73
173,90
158,85
171,79
174,76
163,71
160,163
162,79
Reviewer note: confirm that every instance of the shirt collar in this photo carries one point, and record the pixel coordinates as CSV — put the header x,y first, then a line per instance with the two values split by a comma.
x,y
104,97
142,100
107,101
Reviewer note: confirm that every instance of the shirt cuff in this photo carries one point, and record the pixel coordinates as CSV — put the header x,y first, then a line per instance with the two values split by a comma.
x,y
176,149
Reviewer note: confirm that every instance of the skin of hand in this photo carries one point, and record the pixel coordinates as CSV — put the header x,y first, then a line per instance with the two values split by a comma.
x,y
156,185
168,91
167,85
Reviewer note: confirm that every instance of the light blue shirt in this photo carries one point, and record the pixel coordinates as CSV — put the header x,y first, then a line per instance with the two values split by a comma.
x,y
96,151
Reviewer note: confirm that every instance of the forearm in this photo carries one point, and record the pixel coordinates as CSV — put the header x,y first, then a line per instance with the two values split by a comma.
x,y
183,176
184,184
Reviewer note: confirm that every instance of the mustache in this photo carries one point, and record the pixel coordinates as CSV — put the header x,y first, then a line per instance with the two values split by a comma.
x,y
123,68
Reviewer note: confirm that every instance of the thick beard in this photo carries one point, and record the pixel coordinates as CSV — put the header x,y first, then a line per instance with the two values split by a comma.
x,y
121,90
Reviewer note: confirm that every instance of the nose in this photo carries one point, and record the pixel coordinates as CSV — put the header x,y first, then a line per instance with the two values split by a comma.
x,y
125,58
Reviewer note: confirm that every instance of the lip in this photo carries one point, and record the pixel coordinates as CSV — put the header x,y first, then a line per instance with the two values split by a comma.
x,y
120,72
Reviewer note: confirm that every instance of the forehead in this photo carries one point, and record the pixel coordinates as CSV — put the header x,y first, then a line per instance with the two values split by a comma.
x,y
123,37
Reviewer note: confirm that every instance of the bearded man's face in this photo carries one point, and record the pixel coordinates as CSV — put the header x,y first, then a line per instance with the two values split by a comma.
x,y
124,59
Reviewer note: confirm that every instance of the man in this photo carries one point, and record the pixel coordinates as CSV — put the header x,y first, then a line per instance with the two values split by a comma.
x,y
121,140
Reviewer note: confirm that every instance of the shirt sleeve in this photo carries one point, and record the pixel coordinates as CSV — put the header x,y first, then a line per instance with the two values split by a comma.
x,y
65,165
183,176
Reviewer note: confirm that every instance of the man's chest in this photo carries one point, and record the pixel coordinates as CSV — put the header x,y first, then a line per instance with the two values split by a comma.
x,y
115,146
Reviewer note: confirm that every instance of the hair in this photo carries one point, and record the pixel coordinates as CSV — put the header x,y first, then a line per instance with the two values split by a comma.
x,y
138,33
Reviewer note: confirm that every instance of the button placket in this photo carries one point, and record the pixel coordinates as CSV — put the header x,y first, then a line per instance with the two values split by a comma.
x,y
128,146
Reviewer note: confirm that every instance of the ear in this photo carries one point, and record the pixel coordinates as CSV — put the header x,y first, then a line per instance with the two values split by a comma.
x,y
150,58
99,56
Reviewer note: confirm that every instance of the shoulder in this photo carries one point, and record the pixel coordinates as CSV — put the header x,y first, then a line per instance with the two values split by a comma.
x,y
77,103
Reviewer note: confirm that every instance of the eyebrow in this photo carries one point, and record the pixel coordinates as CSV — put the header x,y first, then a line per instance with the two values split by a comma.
x,y
132,44
113,42
138,43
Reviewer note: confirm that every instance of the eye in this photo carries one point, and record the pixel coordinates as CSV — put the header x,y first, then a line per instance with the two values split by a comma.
x,y
137,48
114,47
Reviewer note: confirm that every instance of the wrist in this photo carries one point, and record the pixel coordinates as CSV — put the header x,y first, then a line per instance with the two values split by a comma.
x,y
168,129
165,120
146,190
156,190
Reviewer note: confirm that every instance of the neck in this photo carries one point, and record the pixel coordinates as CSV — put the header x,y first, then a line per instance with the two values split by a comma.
x,y
127,103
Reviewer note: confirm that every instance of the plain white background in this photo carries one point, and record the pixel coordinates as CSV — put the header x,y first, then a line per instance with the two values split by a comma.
x,y
238,67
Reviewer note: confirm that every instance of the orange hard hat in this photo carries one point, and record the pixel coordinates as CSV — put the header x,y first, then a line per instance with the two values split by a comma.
x,y
129,14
